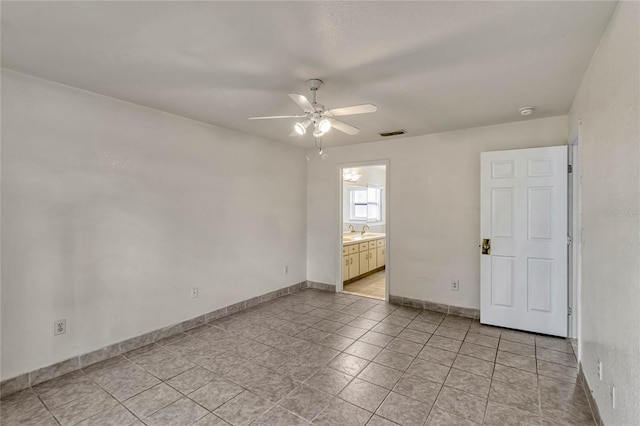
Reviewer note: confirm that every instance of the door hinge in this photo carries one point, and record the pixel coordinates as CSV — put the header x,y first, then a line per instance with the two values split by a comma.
x,y
569,311
570,168
569,240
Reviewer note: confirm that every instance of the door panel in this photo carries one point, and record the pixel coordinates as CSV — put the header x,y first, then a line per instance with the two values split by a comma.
x,y
354,265
502,212
540,214
373,257
524,214
364,262
539,283
345,268
502,283
380,256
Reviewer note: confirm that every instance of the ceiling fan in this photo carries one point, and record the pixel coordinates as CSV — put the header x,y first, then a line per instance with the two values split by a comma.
x,y
322,119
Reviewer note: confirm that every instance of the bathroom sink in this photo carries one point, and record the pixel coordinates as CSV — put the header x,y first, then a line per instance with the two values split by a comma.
x,y
359,237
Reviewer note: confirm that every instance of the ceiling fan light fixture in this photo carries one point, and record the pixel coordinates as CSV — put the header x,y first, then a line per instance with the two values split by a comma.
x,y
324,125
351,176
322,119
301,127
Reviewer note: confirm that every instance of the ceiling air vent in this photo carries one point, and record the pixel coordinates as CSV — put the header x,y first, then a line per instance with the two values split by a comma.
x,y
394,133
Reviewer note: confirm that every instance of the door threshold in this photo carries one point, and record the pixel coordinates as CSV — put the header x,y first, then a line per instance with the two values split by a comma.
x,y
368,296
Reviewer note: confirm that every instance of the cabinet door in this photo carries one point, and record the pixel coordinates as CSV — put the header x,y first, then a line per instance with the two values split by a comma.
x,y
354,265
373,259
345,268
364,262
381,258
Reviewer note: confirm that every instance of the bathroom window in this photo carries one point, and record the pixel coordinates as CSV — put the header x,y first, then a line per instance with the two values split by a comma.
x,y
365,204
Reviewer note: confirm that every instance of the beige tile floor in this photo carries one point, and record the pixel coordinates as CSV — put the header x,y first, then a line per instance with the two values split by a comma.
x,y
321,358
371,286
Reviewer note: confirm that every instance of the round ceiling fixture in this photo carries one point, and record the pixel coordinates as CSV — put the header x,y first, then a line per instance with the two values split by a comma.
x,y
526,110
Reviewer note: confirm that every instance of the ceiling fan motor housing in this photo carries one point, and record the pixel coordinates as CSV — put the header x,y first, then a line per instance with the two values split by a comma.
x,y
314,84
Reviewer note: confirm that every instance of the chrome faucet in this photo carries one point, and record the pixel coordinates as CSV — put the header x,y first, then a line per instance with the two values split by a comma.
x,y
352,228
364,229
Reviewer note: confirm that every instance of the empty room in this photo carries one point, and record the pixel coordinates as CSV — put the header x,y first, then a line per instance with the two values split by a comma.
x,y
331,213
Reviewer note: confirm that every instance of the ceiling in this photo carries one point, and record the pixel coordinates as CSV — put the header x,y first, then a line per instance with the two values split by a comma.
x,y
428,66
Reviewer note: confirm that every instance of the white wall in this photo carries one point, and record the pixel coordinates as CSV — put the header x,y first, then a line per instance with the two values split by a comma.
x,y
434,196
111,212
609,154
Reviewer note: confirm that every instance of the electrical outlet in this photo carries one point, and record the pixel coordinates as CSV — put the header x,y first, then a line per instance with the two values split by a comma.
x,y
194,292
286,269
599,369
613,396
455,285
59,327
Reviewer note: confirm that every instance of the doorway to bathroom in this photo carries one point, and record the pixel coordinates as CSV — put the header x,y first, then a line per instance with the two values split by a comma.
x,y
364,225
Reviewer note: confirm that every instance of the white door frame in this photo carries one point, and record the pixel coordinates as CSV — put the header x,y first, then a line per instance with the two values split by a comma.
x,y
387,225
575,231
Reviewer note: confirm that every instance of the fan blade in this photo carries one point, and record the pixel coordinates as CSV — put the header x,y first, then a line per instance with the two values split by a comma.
x,y
356,109
344,127
276,116
302,102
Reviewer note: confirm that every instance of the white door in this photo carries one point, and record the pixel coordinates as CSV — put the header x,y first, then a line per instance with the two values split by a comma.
x,y
523,219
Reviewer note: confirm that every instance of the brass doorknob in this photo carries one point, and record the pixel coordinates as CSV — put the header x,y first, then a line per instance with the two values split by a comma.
x,y
486,246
